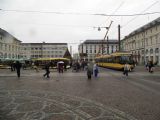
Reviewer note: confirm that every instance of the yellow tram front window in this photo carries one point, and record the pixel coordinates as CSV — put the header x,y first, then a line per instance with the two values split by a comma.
x,y
126,59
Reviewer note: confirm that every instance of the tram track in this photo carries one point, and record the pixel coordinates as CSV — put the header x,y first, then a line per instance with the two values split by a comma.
x,y
138,81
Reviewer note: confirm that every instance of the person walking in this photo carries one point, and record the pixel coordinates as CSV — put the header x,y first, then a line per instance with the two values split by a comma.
x,y
150,66
47,70
36,65
126,69
11,66
18,68
89,70
95,70
14,66
60,66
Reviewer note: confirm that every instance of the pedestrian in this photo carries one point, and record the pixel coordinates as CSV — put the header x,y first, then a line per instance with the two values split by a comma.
x,y
14,66
65,66
83,65
95,70
126,69
150,66
60,66
89,70
24,66
11,66
36,65
147,65
47,65
18,68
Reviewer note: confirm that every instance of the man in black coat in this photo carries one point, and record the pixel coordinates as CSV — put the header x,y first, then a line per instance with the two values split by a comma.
x,y
18,68
47,65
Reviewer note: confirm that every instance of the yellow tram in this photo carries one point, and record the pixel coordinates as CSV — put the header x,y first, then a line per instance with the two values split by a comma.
x,y
41,61
115,60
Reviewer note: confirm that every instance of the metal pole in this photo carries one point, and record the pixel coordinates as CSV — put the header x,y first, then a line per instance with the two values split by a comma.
x,y
107,30
107,45
144,48
106,36
42,50
82,48
102,47
82,52
119,37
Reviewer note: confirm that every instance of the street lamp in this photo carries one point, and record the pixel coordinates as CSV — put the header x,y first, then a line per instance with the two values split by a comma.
x,y
144,47
107,28
81,52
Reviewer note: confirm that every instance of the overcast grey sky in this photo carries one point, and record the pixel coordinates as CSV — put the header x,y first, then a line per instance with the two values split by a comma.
x,y
72,28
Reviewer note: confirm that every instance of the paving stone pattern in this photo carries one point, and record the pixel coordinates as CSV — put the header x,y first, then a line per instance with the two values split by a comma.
x,y
42,105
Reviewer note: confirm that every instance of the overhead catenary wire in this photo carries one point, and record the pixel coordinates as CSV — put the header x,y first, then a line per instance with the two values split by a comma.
x,y
126,24
76,13
114,11
141,13
53,25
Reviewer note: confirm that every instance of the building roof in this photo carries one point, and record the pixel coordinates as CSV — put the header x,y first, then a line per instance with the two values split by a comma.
x,y
145,27
5,33
45,43
100,41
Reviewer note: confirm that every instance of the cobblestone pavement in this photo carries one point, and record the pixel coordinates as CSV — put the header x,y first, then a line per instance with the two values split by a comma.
x,y
70,96
38,105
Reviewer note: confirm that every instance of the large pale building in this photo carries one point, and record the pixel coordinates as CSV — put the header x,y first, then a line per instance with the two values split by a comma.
x,y
90,48
13,49
43,50
144,43
9,46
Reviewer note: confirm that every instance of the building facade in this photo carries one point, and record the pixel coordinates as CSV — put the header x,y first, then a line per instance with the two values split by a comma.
x,y
144,43
43,50
9,46
89,49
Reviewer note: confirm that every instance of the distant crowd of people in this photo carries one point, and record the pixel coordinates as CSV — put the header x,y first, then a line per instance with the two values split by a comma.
x,y
90,67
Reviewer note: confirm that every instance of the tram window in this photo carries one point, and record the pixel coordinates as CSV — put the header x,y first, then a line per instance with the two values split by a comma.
x,y
116,59
110,60
124,59
113,59
105,59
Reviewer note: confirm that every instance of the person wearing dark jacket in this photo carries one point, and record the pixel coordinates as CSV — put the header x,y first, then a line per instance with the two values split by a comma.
x,y
150,66
18,68
89,70
47,70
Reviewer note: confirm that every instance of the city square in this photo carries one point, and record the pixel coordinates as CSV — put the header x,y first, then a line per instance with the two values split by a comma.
x,y
71,96
79,60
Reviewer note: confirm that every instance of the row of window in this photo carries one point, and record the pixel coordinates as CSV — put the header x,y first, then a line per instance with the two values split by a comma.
x,y
60,48
9,56
9,47
140,43
151,51
119,59
39,56
95,51
146,32
99,46
36,52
